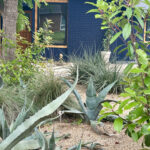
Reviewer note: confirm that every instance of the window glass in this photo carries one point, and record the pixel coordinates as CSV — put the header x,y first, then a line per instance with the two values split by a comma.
x,y
57,12
147,36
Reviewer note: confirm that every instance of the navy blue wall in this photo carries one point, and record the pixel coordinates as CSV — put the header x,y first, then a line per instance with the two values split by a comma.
x,y
83,29
83,32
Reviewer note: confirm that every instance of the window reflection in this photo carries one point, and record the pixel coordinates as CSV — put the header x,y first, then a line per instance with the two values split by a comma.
x,y
56,12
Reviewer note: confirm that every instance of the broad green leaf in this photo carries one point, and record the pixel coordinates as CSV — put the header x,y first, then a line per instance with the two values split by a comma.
x,y
117,48
145,129
107,105
118,124
97,16
122,50
136,113
130,105
115,37
91,3
104,27
136,70
134,136
93,11
147,81
130,91
141,22
114,14
142,57
147,91
130,50
126,31
140,37
147,140
129,12
128,68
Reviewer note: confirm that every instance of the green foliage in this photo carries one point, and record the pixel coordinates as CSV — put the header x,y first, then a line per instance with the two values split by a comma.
x,y
23,20
23,66
137,79
93,102
106,41
44,35
28,125
103,74
124,18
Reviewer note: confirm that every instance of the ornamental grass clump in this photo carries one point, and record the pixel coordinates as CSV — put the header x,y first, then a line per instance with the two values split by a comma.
x,y
102,73
41,89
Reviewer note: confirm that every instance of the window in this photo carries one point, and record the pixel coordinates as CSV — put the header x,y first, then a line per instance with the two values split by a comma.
x,y
57,12
147,30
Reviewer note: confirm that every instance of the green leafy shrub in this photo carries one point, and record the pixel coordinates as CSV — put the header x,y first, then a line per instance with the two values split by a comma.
x,y
94,66
129,27
23,66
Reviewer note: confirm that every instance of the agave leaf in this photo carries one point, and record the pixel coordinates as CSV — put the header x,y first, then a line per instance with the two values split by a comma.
x,y
27,126
104,92
4,126
91,101
79,146
20,118
27,144
52,144
77,95
91,91
42,140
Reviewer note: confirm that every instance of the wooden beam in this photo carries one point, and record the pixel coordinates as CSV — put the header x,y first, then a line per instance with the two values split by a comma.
x,y
56,1
36,16
57,46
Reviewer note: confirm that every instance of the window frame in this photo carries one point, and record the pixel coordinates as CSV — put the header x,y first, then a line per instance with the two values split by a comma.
x,y
36,20
145,22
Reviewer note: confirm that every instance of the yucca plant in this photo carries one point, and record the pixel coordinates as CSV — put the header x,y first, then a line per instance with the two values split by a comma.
x,y
24,129
93,104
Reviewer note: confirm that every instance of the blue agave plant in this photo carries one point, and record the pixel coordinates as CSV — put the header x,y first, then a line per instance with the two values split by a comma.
x,y
93,104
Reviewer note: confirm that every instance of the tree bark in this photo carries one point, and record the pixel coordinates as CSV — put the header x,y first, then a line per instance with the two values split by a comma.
x,y
10,14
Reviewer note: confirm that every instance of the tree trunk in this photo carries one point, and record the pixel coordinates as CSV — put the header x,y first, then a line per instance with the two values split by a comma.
x,y
10,14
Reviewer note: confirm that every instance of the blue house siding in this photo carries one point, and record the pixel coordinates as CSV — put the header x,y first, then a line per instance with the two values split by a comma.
x,y
83,29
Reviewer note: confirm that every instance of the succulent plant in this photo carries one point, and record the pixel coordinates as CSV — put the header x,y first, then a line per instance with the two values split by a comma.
x,y
22,129
93,104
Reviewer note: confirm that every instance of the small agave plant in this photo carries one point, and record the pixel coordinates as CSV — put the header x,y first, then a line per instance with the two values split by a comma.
x,y
93,104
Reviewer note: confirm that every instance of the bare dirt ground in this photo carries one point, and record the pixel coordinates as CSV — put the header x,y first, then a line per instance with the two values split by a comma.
x,y
82,131
85,133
